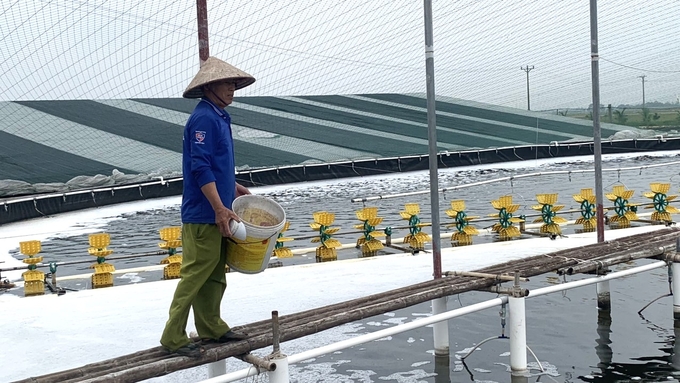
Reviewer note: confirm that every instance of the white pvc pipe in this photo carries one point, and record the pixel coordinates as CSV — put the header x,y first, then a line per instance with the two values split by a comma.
x,y
394,330
347,343
590,281
603,295
241,374
675,267
234,376
218,368
517,326
440,330
280,374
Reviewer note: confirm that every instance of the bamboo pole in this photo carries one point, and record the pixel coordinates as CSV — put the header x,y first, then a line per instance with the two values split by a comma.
x,y
500,277
616,259
257,361
643,248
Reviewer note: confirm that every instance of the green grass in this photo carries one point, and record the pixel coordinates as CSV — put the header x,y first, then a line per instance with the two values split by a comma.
x,y
666,117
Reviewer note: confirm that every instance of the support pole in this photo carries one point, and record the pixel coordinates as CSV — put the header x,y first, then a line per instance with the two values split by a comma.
x,y
518,329
442,369
597,133
280,374
676,290
518,334
202,19
432,141
276,334
603,295
218,368
675,358
675,283
514,378
440,330
603,348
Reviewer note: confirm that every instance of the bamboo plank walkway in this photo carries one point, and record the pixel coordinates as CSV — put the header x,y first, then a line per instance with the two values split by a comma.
x,y
155,362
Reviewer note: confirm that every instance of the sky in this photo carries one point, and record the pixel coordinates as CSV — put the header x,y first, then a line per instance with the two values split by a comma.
x,y
91,318
102,49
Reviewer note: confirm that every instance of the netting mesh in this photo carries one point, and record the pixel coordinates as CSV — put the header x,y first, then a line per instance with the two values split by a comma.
x,y
129,49
132,48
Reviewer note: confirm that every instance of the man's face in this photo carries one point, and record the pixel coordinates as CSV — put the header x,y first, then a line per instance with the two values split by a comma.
x,y
225,91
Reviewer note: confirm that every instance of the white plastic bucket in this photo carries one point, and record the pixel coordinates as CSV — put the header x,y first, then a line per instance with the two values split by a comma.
x,y
264,219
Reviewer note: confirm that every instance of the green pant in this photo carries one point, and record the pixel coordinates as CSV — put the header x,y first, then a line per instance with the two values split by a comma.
x,y
201,286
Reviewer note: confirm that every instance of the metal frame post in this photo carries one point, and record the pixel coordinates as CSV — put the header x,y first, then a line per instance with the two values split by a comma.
x,y
280,374
597,133
202,20
432,141
440,331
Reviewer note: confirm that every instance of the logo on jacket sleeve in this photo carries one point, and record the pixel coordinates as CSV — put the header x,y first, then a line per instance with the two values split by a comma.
x,y
200,136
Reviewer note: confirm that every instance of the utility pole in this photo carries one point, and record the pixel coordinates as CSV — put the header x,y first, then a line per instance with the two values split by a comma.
x,y
527,69
597,131
643,89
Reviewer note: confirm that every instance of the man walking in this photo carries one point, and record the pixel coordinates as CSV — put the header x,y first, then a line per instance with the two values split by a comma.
x,y
210,186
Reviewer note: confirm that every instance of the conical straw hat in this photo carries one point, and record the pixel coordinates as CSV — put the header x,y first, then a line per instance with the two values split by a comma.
x,y
214,69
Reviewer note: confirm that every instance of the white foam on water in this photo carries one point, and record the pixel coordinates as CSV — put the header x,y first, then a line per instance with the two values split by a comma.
x,y
413,376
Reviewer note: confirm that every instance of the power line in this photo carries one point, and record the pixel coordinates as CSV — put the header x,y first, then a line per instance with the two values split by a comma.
x,y
640,69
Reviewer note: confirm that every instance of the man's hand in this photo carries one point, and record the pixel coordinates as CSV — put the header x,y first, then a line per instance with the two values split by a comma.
x,y
241,190
222,215
222,218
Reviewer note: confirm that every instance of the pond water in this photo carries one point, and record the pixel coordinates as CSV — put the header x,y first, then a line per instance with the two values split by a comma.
x,y
572,340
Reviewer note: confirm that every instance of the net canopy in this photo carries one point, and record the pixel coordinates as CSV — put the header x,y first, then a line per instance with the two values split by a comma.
x,y
89,87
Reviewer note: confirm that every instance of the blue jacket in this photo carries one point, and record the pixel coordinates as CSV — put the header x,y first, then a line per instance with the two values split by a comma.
x,y
207,156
